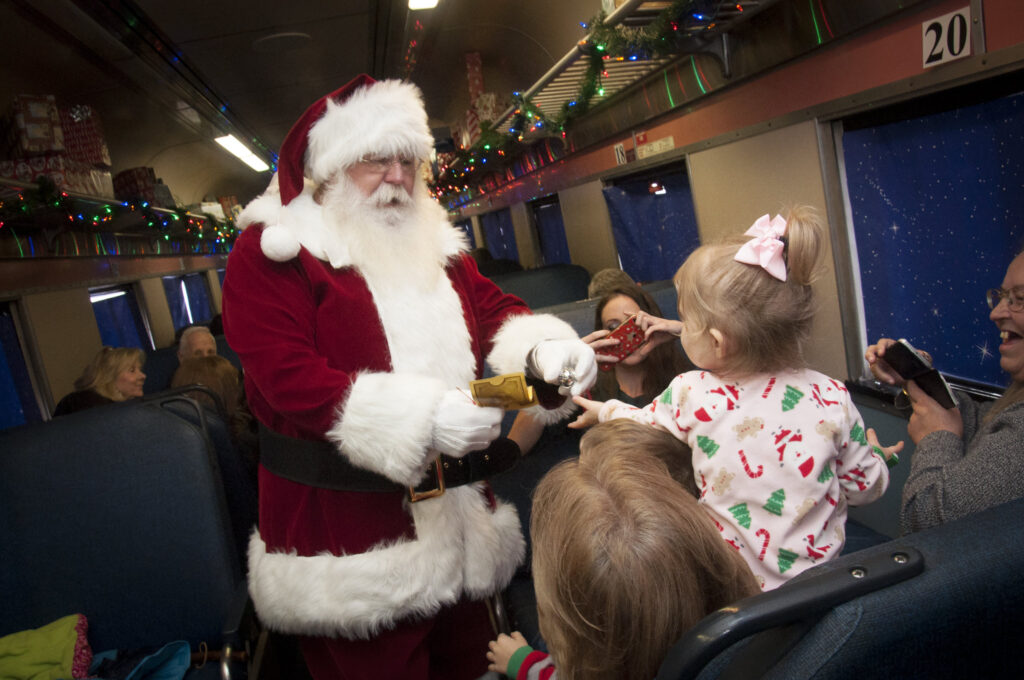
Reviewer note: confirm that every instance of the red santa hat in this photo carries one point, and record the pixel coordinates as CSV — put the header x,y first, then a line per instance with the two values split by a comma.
x,y
363,117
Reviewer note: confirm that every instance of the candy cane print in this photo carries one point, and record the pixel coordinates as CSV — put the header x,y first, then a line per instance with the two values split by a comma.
x,y
767,539
768,389
746,466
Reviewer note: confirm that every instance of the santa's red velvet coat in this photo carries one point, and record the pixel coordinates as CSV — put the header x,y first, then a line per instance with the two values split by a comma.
x,y
336,353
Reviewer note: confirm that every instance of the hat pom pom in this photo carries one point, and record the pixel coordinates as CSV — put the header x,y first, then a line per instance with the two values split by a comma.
x,y
279,244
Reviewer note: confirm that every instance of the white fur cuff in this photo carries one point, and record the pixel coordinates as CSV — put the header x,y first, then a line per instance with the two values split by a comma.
x,y
519,334
387,423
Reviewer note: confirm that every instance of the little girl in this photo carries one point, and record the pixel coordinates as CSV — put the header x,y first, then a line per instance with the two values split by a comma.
x,y
779,450
624,561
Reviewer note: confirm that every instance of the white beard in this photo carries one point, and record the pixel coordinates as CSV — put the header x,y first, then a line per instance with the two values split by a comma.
x,y
388,234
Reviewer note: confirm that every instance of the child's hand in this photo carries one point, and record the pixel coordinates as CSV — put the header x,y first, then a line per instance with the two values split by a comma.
x,y
502,650
591,409
888,452
657,331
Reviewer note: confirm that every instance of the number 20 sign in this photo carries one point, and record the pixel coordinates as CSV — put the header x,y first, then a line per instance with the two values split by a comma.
x,y
946,38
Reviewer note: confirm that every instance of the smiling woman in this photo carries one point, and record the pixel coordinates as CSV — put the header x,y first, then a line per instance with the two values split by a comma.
x,y
971,457
114,374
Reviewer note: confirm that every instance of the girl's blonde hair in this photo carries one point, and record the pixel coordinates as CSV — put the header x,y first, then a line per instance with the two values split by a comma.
x,y
100,375
624,561
766,322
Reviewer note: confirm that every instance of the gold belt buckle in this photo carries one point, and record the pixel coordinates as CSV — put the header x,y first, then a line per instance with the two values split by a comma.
x,y
417,496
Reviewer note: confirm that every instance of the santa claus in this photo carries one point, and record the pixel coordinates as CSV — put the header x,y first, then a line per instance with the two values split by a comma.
x,y
360,320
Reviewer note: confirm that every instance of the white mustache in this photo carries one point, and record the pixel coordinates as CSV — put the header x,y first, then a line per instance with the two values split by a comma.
x,y
389,195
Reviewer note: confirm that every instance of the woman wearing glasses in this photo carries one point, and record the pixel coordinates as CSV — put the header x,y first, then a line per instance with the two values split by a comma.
x,y
971,457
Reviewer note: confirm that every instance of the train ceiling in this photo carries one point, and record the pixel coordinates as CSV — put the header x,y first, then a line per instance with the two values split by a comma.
x,y
252,67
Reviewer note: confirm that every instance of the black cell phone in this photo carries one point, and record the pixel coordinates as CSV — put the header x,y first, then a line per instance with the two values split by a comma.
x,y
911,365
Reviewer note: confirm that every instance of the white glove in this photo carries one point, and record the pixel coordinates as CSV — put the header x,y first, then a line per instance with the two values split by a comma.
x,y
460,426
570,364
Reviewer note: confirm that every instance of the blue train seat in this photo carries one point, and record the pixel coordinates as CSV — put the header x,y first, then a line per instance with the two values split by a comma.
x,y
119,513
237,470
943,603
545,286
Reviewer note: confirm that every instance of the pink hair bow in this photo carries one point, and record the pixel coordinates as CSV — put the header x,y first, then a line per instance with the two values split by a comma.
x,y
765,249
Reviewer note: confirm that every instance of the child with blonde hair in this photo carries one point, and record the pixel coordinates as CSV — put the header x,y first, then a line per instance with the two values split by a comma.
x,y
624,561
779,450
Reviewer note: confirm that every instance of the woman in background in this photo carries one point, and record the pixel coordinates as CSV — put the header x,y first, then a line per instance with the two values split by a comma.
x,y
114,374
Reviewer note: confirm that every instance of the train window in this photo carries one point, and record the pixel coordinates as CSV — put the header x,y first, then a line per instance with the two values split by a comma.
x,y
653,222
499,235
119,318
937,215
18,403
466,227
189,299
554,248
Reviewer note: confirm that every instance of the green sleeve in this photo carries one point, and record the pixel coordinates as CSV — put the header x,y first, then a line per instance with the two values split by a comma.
x,y
516,660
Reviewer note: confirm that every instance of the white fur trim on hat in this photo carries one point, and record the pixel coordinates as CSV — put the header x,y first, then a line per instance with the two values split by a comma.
x,y
279,244
384,119
387,424
460,547
513,341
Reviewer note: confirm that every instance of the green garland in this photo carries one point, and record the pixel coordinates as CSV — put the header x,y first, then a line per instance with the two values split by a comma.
x,y
45,210
498,151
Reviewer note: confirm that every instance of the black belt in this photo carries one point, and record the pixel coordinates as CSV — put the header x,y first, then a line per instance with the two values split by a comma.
x,y
319,464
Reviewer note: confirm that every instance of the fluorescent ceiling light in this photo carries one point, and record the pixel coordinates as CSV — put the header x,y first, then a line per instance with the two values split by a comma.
x,y
248,157
100,297
422,4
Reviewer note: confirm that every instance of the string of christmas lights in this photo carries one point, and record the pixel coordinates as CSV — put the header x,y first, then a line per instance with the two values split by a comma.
x,y
48,221
534,139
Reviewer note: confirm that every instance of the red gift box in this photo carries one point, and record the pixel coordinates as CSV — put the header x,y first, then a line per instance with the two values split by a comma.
x,y
32,127
141,184
131,183
83,135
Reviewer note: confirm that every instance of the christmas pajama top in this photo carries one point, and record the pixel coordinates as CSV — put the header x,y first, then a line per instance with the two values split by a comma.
x,y
777,459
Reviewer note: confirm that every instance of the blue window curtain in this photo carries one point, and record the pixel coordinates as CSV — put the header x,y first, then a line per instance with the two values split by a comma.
x,y
499,235
18,404
938,213
654,232
189,300
554,247
199,297
119,319
466,227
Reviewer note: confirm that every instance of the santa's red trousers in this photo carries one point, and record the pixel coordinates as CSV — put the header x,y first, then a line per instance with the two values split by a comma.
x,y
450,646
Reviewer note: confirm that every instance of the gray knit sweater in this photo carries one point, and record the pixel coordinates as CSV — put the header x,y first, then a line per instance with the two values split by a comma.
x,y
951,477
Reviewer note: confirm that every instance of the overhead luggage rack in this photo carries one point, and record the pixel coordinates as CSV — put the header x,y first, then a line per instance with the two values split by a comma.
x,y
704,30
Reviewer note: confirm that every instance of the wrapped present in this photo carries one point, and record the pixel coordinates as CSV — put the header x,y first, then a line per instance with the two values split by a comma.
x,y
83,135
474,73
487,107
141,184
67,174
32,127
162,197
134,183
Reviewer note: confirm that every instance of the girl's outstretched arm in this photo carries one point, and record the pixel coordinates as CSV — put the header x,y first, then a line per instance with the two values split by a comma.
x,y
588,417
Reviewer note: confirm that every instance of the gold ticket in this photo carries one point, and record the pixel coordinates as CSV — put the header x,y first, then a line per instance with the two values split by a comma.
x,y
508,391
